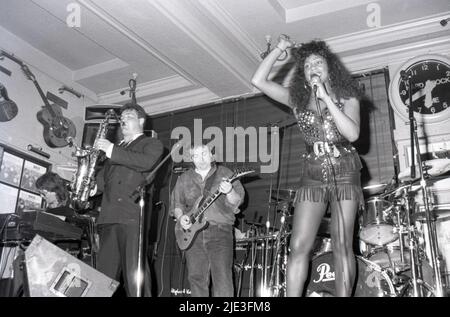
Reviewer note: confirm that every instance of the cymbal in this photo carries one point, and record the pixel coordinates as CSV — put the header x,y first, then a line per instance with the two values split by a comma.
x,y
374,189
283,194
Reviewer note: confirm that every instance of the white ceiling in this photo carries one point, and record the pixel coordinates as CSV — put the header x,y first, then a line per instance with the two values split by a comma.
x,y
189,52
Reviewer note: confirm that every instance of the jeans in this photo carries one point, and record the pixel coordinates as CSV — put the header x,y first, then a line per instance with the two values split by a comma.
x,y
211,254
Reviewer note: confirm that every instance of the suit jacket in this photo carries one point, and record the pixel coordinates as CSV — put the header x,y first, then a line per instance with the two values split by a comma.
x,y
122,173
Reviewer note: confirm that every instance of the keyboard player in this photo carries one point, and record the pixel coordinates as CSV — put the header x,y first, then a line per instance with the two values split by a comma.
x,y
54,191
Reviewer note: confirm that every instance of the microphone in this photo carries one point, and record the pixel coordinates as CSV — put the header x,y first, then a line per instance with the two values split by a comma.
x,y
314,81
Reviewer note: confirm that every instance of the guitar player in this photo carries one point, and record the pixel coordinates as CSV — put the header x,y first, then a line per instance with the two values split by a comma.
x,y
211,253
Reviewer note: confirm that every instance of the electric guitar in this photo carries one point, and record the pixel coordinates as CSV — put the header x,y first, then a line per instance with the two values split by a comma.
x,y
57,129
8,108
185,237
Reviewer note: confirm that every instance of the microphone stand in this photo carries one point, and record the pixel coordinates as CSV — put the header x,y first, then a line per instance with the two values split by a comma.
x,y
412,123
435,262
140,191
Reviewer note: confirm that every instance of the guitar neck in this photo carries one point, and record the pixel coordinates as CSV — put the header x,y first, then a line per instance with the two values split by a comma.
x,y
205,205
39,89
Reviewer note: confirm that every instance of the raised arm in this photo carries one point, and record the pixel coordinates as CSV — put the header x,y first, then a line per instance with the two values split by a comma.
x,y
260,78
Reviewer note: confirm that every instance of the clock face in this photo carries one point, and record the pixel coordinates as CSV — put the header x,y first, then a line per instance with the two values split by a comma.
x,y
429,76
430,80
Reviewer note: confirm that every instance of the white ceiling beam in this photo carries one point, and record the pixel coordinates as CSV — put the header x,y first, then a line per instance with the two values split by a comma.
x,y
238,64
292,11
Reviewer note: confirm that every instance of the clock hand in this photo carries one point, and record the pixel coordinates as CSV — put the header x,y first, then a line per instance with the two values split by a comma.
x,y
426,91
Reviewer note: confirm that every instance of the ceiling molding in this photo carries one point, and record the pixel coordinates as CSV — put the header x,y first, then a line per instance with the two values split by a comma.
x,y
300,10
42,62
178,12
380,58
146,90
184,100
390,33
99,68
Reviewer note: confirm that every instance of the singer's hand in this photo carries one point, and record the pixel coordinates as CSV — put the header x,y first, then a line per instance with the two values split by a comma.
x,y
284,42
318,87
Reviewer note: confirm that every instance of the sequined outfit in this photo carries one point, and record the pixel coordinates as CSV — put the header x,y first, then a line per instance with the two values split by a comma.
x,y
325,177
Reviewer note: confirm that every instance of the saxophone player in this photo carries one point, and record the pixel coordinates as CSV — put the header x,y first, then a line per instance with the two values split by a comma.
x,y
127,165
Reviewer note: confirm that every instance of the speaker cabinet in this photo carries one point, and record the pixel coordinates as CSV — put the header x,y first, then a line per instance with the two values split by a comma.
x,y
99,111
51,272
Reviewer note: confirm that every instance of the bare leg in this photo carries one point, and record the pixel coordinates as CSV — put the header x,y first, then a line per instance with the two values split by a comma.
x,y
342,228
307,218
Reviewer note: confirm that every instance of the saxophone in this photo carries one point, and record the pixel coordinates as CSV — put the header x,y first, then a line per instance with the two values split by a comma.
x,y
84,179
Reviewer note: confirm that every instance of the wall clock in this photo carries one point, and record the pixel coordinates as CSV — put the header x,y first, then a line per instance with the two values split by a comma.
x,y
430,80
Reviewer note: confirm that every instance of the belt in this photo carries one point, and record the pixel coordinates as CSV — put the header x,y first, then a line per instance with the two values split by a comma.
x,y
320,148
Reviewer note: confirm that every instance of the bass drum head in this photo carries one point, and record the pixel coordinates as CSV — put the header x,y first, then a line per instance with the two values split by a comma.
x,y
370,281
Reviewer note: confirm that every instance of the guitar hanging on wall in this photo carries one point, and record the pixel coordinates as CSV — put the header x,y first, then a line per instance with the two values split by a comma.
x,y
57,128
8,108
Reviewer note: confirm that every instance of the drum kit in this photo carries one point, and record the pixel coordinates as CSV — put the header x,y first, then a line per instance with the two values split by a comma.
x,y
396,257
403,251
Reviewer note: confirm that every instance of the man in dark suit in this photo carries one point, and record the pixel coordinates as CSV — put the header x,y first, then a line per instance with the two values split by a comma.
x,y
128,164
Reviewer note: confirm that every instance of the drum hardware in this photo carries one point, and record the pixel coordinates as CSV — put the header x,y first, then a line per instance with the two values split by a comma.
x,y
277,284
377,224
439,290
283,194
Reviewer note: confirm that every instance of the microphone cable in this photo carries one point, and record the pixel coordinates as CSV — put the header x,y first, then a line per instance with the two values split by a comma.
x,y
340,219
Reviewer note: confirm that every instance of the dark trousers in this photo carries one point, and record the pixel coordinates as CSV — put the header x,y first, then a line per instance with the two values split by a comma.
x,y
118,255
211,256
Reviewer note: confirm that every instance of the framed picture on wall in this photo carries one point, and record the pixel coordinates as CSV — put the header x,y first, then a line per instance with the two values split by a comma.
x,y
28,202
31,172
8,197
18,174
11,168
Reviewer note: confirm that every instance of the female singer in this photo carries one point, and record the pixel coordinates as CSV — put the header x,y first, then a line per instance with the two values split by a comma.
x,y
324,100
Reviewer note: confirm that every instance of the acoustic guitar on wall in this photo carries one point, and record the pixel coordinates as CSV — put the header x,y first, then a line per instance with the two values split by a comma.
x,y
8,108
57,129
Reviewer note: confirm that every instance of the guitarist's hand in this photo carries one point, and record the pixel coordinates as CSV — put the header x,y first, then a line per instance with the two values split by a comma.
x,y
225,186
185,222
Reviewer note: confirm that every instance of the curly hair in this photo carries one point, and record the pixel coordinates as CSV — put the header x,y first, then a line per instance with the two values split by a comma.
x,y
343,85
52,182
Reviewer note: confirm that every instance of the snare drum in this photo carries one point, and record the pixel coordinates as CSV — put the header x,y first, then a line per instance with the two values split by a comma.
x,y
377,222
